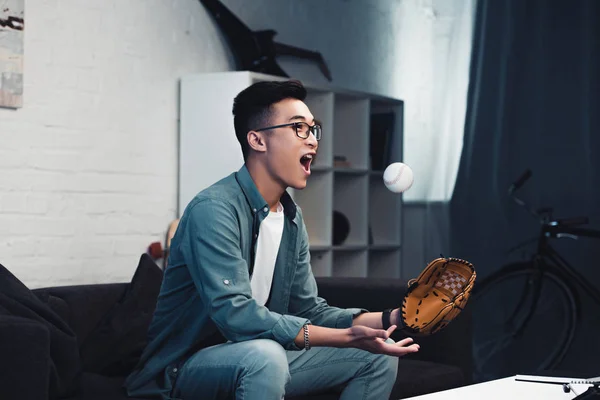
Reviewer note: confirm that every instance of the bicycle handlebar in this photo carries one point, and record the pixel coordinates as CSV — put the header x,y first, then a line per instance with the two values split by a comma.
x,y
519,182
571,221
543,214
557,231
517,185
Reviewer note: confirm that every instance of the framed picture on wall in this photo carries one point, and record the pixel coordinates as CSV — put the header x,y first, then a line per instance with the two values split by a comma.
x,y
12,26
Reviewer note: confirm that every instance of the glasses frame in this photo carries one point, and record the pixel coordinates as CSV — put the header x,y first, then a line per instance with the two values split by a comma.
x,y
315,129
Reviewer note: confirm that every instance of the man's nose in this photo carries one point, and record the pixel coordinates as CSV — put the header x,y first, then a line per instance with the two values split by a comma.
x,y
312,141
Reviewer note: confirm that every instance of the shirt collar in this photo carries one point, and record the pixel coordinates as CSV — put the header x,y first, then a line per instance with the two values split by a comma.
x,y
255,199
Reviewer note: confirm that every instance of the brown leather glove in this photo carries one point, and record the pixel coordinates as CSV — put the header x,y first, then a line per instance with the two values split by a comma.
x,y
436,296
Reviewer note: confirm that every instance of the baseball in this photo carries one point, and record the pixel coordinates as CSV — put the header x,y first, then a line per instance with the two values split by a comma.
x,y
398,177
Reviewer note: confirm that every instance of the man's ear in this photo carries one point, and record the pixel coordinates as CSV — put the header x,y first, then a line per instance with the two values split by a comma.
x,y
256,141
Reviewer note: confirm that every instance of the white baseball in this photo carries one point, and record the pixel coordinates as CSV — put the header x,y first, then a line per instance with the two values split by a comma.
x,y
398,177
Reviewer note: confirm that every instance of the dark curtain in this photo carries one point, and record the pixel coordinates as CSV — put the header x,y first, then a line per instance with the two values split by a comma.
x,y
533,102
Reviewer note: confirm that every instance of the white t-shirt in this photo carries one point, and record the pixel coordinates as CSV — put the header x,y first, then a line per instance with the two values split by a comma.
x,y
269,239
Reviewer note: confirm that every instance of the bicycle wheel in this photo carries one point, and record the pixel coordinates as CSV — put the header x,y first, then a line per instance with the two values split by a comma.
x,y
512,332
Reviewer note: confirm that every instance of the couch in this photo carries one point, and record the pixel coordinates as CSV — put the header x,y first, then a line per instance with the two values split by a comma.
x,y
79,342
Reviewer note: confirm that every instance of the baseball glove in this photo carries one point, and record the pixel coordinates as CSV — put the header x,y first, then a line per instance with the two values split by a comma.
x,y
436,296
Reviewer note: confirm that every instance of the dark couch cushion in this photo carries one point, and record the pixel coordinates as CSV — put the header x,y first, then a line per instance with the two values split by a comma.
x,y
98,387
58,305
116,343
86,304
24,355
64,363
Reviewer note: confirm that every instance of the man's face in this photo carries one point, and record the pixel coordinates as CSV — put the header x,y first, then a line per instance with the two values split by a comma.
x,y
289,157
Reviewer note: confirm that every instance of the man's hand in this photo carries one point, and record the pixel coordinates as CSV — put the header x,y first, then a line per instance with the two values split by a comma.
x,y
360,337
374,341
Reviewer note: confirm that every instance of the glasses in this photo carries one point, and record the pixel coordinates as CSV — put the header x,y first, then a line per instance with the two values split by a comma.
x,y
303,130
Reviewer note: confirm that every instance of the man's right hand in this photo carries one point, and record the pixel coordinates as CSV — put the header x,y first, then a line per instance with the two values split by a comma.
x,y
374,341
360,337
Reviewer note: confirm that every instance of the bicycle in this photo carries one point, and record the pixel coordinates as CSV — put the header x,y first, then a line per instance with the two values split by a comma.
x,y
522,296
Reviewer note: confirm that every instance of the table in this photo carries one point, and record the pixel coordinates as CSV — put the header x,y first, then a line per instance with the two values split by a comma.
x,y
506,388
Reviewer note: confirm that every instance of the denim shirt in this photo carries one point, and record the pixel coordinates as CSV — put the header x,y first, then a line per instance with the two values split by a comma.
x,y
206,286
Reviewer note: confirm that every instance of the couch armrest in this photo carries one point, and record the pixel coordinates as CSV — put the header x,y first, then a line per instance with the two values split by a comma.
x,y
25,349
451,346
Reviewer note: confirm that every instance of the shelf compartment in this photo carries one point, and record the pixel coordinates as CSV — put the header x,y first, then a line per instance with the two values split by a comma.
x,y
385,214
321,262
350,263
384,263
351,124
391,141
321,105
350,198
316,201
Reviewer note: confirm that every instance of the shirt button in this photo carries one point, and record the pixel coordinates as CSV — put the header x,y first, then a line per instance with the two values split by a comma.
x,y
265,209
226,281
254,210
174,370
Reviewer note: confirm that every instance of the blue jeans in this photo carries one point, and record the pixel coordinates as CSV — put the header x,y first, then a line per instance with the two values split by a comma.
x,y
262,370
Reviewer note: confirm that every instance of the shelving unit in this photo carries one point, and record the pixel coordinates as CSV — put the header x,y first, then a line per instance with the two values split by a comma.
x,y
209,151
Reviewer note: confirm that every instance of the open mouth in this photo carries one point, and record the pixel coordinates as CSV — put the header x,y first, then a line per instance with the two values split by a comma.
x,y
306,160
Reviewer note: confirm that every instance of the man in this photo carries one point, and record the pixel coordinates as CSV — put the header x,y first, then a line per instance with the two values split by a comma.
x,y
238,314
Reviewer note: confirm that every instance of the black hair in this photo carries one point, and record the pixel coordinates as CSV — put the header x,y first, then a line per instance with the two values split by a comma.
x,y
252,107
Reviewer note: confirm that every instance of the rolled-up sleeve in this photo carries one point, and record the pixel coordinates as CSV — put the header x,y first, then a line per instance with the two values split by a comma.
x,y
212,249
305,301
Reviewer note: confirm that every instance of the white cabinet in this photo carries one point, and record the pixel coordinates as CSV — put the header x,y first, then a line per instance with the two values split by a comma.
x,y
344,179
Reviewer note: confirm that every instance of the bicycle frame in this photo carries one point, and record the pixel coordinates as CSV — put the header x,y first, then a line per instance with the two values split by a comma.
x,y
556,229
552,257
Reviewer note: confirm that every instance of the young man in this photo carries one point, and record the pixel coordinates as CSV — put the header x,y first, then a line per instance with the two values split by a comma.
x,y
238,314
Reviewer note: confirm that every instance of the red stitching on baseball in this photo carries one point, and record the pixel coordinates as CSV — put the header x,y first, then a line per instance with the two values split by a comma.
x,y
393,182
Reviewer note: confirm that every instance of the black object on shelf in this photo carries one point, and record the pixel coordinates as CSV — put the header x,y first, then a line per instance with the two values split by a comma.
x,y
382,130
341,228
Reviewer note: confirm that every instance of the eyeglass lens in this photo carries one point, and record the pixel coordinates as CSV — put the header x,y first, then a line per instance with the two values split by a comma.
x,y
304,129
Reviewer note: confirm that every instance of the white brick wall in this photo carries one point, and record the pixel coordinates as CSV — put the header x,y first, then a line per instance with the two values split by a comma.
x,y
88,167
